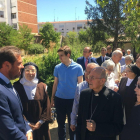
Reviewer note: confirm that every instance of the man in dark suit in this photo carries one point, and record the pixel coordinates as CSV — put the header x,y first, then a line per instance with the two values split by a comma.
x,y
12,124
86,58
103,56
100,114
109,51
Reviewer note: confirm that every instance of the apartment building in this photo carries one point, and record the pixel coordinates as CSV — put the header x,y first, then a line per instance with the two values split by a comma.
x,y
65,26
18,12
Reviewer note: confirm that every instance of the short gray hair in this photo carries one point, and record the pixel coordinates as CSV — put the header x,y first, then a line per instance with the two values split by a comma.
x,y
130,57
107,64
128,50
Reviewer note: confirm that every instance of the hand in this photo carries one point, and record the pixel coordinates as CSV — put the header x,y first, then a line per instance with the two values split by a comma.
x,y
31,125
72,127
116,89
117,81
29,136
52,102
36,126
91,125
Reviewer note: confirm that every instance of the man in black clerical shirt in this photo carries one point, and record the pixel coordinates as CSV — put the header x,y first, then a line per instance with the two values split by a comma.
x,y
100,114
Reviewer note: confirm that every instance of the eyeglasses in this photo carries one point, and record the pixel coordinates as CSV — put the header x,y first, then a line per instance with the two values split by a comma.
x,y
138,86
92,78
32,71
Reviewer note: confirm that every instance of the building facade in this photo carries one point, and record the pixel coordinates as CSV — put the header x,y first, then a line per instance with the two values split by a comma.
x,y
18,12
65,26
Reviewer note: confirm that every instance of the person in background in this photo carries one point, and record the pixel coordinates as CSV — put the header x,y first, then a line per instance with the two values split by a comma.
x,y
109,51
35,101
128,60
80,87
100,113
86,58
126,89
129,52
12,124
131,130
122,61
116,57
110,82
66,76
123,51
103,56
138,62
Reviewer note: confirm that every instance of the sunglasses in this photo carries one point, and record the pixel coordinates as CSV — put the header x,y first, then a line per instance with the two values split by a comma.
x,y
138,86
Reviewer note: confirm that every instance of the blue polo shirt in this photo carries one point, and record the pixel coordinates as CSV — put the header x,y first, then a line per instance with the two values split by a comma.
x,y
67,79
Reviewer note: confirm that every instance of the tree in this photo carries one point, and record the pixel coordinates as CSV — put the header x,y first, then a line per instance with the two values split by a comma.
x,y
98,46
72,37
48,34
129,4
84,36
5,34
106,20
132,29
24,37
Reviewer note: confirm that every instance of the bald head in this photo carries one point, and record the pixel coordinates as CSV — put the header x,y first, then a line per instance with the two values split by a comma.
x,y
117,56
89,68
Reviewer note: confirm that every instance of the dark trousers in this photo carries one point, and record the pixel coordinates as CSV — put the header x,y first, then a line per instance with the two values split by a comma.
x,y
63,108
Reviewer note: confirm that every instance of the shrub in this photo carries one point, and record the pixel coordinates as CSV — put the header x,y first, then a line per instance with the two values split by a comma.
x,y
36,49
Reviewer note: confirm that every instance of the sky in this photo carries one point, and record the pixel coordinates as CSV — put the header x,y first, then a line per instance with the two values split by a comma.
x,y
61,10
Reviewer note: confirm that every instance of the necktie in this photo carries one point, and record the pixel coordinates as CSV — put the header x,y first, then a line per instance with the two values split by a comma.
x,y
86,62
103,59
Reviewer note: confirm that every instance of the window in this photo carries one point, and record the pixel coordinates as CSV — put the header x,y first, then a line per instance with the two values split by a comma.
x,y
13,15
14,25
61,26
79,26
2,14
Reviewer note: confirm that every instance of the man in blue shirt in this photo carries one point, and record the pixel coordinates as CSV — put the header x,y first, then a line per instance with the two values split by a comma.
x,y
67,74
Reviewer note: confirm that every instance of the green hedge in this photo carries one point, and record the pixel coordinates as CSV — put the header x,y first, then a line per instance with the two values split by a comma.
x,y
36,49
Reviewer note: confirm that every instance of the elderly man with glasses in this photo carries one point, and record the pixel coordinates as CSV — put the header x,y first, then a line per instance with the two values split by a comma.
x,y
100,114
83,85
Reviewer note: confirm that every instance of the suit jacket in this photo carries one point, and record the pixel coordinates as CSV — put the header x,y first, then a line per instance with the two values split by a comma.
x,y
80,61
108,115
128,95
12,123
99,60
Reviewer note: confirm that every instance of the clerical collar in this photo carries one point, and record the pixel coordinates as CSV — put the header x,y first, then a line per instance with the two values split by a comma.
x,y
100,92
